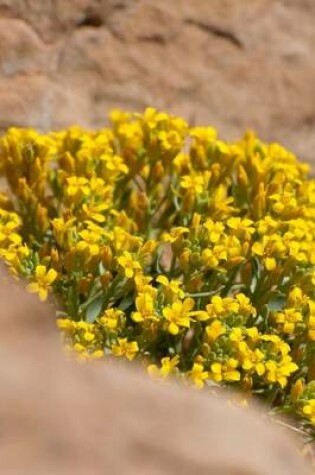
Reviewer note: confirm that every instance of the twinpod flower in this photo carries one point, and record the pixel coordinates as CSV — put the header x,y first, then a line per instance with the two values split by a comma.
x,y
159,242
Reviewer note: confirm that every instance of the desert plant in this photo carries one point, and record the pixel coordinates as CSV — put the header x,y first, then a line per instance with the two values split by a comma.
x,y
160,242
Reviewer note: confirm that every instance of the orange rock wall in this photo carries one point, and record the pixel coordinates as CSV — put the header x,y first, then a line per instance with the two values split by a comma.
x,y
234,64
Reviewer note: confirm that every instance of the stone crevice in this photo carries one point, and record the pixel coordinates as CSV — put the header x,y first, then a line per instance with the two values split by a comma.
x,y
216,31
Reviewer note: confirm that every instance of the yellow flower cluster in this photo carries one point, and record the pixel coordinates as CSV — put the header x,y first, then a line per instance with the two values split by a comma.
x,y
160,242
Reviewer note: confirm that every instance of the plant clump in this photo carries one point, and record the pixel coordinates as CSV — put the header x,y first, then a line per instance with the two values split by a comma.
x,y
160,242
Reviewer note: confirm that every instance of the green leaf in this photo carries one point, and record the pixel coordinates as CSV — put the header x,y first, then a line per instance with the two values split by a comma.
x,y
94,309
126,302
276,302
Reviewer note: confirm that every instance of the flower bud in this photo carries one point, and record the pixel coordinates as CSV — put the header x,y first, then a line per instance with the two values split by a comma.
x,y
107,257
106,278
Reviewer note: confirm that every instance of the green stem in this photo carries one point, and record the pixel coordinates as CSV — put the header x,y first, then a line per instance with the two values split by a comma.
x,y
229,283
98,294
205,294
173,263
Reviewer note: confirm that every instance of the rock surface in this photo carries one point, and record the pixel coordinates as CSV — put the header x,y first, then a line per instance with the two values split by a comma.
x,y
61,417
236,65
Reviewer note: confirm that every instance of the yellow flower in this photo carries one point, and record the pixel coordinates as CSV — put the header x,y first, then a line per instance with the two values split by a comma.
x,y
258,248
225,306
252,360
126,348
266,225
79,348
309,410
231,305
152,117
199,315
236,335
311,327
214,331
253,333
196,183
297,389
128,264
296,297
95,211
175,234
112,166
288,319
77,187
215,230
168,367
241,227
245,307
88,336
171,287
270,263
111,318
198,375
226,371
44,280
66,324
117,115
145,304
209,259
177,315
90,242
141,281
169,140
203,134
96,355
15,256
62,230
278,344
216,307
279,372
6,232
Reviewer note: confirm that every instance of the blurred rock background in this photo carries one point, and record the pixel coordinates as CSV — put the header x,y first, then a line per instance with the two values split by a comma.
x,y
235,64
